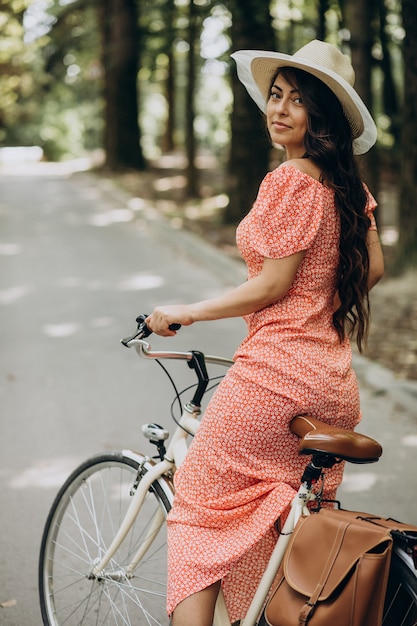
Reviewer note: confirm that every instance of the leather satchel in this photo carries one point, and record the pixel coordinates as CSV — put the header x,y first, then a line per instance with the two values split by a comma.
x,y
335,571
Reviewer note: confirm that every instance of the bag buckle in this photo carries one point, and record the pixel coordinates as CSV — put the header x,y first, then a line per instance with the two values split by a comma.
x,y
306,613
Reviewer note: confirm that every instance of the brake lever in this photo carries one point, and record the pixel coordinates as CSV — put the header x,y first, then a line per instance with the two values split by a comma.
x,y
137,335
143,331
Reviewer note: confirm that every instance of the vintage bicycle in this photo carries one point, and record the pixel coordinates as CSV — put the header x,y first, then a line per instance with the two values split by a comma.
x,y
103,550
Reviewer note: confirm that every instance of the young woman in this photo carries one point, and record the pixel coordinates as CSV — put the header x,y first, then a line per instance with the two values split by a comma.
x,y
312,252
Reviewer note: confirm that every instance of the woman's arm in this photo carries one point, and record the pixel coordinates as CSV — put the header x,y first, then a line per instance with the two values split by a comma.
x,y
376,259
270,285
376,264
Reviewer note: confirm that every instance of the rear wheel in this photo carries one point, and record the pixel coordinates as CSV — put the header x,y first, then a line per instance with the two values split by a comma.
x,y
81,525
401,599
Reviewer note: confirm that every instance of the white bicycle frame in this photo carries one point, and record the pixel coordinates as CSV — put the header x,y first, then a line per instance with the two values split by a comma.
x,y
174,457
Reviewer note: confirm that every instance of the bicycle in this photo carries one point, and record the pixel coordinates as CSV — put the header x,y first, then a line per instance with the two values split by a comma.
x,y
103,554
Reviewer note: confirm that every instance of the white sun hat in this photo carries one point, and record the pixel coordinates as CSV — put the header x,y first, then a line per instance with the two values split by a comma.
x,y
257,68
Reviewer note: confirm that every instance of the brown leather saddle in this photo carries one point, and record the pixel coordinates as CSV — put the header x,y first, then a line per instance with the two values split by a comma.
x,y
318,437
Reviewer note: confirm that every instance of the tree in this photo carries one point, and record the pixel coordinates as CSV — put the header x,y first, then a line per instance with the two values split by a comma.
x,y
159,34
86,43
389,89
69,83
190,145
118,22
359,16
250,147
168,142
407,243
16,81
321,30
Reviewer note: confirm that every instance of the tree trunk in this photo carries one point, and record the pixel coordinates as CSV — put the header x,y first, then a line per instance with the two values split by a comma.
x,y
359,16
191,172
389,90
250,146
118,21
321,29
407,244
168,142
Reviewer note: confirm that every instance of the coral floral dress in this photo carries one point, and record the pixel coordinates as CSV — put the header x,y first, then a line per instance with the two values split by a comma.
x,y
243,470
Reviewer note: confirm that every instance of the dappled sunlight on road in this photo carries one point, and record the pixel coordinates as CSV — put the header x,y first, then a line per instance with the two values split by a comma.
x,y
61,330
361,481
10,249
68,329
15,161
410,441
107,218
141,282
170,182
13,294
45,474
102,322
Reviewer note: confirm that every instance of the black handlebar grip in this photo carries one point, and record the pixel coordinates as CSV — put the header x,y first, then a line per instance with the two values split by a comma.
x,y
141,321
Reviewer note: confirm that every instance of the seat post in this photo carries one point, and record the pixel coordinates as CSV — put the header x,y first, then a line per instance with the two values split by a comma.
x,y
314,469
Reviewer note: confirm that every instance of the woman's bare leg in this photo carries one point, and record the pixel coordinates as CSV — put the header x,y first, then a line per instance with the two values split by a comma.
x,y
198,609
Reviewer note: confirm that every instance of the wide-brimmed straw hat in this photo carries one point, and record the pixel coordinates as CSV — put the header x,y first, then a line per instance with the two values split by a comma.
x,y
256,70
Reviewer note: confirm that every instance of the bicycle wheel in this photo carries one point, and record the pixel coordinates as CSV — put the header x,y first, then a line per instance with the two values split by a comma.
x,y
401,598
82,522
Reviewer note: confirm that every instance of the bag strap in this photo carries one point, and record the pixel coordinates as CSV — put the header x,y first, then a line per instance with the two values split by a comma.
x,y
308,608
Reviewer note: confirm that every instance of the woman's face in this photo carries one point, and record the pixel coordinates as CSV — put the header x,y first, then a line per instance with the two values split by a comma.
x,y
286,117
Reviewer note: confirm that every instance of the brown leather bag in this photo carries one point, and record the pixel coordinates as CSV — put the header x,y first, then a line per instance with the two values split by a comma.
x,y
334,572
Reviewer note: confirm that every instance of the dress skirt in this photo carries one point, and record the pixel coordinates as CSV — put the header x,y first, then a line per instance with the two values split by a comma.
x,y
239,478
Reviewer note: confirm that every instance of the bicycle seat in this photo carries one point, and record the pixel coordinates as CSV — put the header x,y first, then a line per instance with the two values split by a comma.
x,y
318,437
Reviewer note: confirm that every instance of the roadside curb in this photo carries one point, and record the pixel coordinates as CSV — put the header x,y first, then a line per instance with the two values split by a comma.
x,y
383,381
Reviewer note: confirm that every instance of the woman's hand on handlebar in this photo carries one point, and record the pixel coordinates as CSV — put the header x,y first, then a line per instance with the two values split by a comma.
x,y
164,316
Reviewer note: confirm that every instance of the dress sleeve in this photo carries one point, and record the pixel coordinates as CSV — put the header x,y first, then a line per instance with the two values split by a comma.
x,y
370,208
286,214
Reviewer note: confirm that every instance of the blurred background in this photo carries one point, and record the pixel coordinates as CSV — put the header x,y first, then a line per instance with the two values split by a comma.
x,y
144,92
123,128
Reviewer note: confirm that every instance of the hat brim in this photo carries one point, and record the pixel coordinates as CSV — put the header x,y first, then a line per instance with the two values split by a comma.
x,y
256,70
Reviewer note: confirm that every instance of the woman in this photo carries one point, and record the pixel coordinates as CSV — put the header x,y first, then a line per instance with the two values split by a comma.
x,y
313,254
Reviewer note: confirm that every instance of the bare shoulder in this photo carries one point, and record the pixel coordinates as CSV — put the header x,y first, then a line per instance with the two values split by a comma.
x,y
307,166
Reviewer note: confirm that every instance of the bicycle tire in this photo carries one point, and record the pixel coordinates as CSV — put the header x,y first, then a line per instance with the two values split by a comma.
x,y
401,598
82,522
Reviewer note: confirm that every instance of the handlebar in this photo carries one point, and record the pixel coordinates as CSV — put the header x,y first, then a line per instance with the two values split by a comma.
x,y
195,360
144,349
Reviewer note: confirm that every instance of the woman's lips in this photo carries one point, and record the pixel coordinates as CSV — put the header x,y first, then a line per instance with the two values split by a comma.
x,y
280,125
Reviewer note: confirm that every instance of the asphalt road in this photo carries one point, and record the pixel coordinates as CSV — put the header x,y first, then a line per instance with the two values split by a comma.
x,y
79,260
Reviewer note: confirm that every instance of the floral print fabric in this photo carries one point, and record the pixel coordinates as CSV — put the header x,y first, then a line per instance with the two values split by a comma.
x,y
243,469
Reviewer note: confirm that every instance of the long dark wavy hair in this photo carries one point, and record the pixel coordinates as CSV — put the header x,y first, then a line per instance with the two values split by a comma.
x,y
328,142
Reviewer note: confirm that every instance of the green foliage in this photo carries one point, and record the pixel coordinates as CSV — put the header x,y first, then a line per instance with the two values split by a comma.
x,y
50,89
16,79
51,74
165,24
71,120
